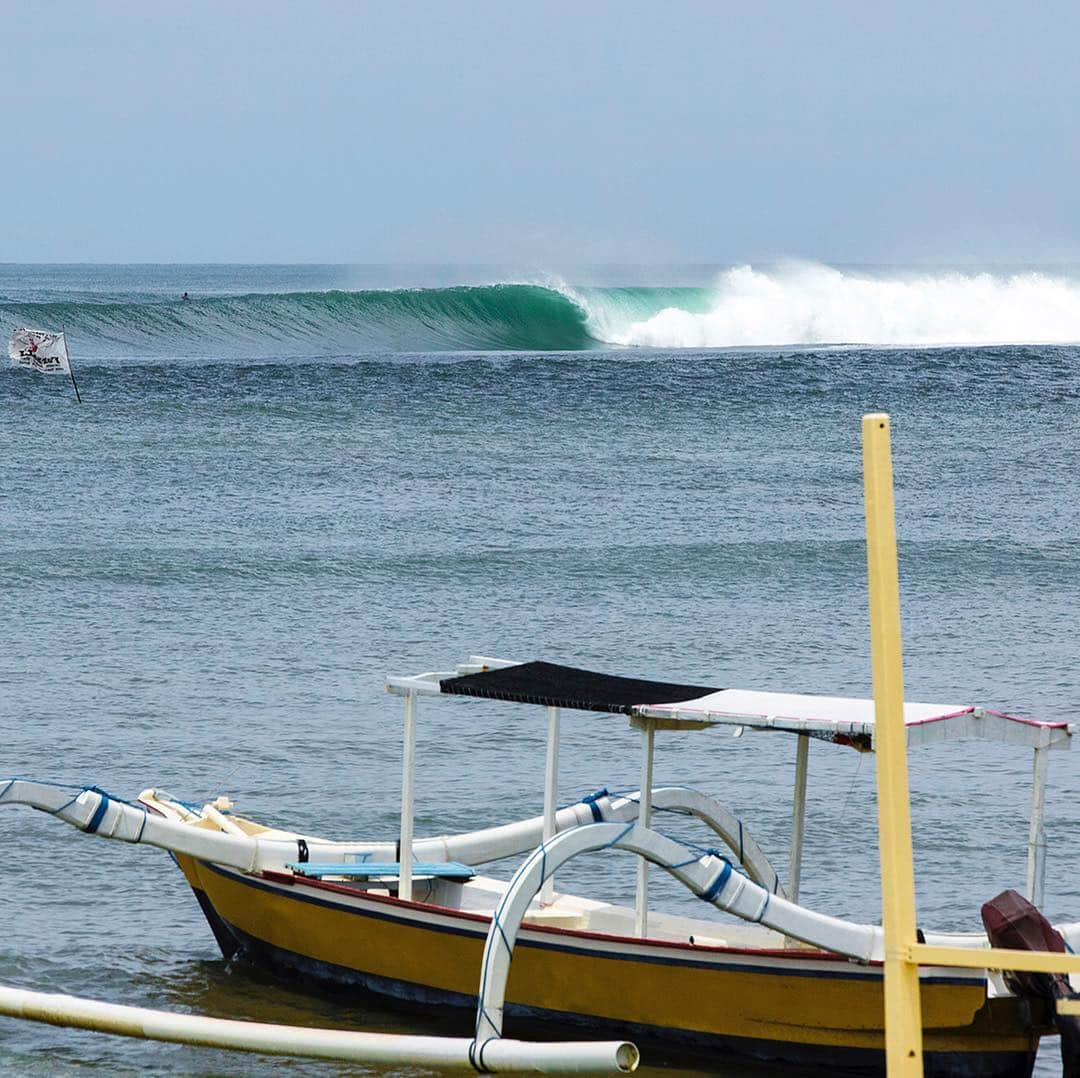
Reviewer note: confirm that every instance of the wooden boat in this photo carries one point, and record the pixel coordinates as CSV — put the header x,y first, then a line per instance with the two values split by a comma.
x,y
781,982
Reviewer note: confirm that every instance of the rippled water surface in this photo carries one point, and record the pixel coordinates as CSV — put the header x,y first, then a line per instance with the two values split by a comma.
x,y
210,567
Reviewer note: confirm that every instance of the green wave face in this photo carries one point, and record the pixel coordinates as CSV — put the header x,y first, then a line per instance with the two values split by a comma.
x,y
498,317
483,318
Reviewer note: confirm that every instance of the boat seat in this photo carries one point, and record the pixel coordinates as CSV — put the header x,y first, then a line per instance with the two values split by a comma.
x,y
447,870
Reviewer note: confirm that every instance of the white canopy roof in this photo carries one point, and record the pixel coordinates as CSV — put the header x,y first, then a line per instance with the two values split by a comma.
x,y
837,719
850,720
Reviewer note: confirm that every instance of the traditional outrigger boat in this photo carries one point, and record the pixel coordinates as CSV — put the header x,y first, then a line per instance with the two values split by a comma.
x,y
781,982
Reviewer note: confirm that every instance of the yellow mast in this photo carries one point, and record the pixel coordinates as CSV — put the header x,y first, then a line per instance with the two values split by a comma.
x,y
903,953
903,1020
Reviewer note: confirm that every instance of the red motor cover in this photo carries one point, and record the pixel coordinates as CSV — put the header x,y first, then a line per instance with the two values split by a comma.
x,y
1011,921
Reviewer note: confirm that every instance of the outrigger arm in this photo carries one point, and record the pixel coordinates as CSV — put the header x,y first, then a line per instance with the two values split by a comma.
x,y
709,875
93,811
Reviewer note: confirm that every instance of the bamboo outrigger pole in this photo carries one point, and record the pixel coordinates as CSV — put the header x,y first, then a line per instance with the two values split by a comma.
x,y
903,1019
396,1049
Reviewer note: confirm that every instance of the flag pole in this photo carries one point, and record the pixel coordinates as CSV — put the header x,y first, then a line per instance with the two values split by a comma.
x,y
71,371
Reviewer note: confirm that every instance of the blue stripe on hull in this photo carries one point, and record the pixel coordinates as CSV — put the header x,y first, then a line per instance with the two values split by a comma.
x,y
416,997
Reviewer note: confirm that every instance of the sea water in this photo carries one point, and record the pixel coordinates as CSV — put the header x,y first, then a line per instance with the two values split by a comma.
x,y
304,479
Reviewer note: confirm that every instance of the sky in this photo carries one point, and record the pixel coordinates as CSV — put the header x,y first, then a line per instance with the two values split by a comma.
x,y
540,133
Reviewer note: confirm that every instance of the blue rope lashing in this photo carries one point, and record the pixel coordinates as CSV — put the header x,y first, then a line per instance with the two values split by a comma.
x,y
67,804
717,885
594,808
621,835
764,907
486,1017
502,935
683,864
99,813
478,1060
702,852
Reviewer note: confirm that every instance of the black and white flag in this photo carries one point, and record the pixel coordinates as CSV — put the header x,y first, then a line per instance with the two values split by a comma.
x,y
40,351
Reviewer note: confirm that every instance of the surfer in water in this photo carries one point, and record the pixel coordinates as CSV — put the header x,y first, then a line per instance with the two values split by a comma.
x,y
185,298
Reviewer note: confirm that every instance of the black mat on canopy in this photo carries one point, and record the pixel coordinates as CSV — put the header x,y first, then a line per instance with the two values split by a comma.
x,y
566,686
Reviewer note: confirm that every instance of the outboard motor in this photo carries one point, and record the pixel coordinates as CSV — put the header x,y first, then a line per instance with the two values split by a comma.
x,y
1011,921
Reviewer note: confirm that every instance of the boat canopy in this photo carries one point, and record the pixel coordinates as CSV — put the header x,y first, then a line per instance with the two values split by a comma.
x,y
661,705
666,705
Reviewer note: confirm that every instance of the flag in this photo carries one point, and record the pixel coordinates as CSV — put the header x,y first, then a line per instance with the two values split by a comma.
x,y
40,351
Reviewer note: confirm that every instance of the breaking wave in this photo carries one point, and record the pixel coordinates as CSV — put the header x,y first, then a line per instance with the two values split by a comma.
x,y
816,305
796,305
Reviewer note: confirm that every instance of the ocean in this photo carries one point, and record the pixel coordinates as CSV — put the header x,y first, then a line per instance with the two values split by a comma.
x,y
306,478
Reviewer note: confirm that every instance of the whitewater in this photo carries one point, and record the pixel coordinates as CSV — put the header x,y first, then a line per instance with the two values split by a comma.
x,y
806,305
816,304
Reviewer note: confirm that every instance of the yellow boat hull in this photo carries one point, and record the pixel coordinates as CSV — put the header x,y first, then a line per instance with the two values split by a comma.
x,y
795,1006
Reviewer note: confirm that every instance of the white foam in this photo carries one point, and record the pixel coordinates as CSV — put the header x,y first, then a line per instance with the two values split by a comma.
x,y
812,304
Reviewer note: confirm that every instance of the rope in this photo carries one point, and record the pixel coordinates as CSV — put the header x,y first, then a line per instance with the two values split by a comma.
x,y
713,890
621,835
764,907
480,1056
99,813
67,804
594,808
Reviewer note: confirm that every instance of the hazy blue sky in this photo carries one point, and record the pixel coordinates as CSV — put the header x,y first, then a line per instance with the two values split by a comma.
x,y
540,133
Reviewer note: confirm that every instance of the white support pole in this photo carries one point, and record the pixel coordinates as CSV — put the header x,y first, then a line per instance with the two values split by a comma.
x,y
1036,862
408,777
641,906
551,794
798,816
